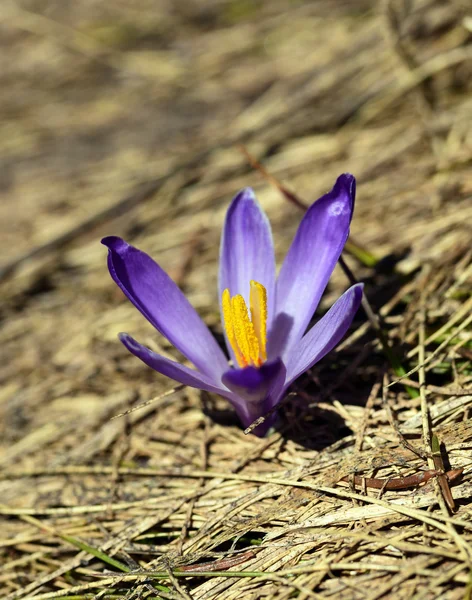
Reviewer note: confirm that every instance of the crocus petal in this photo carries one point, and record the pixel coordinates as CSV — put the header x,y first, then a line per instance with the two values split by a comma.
x,y
247,251
169,368
309,263
260,389
325,335
160,300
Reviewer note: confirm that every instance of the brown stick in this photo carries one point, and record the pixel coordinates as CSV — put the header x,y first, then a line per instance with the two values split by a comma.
x,y
442,479
219,565
403,483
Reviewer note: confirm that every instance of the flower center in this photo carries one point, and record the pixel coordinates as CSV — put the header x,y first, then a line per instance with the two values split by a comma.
x,y
247,336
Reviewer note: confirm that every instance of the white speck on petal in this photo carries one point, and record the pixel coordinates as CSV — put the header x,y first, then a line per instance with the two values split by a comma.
x,y
337,208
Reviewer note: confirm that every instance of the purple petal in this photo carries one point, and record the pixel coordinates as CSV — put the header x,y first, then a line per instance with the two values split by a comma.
x,y
309,263
260,389
159,299
248,384
169,368
325,335
246,251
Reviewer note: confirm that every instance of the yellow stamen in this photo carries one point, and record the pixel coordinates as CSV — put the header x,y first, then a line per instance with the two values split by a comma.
x,y
258,303
247,336
229,328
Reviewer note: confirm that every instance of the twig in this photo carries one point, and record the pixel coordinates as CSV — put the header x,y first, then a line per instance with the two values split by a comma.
x,y
425,417
442,480
403,483
219,565
175,389
433,355
368,407
435,389
274,409
394,424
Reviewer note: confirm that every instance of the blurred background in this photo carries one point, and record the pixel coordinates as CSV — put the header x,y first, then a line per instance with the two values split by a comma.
x,y
97,98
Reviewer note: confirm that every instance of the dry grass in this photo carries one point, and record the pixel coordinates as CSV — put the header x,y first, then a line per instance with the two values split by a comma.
x,y
124,118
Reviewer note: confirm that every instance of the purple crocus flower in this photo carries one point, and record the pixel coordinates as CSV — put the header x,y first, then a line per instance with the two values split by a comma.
x,y
268,344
